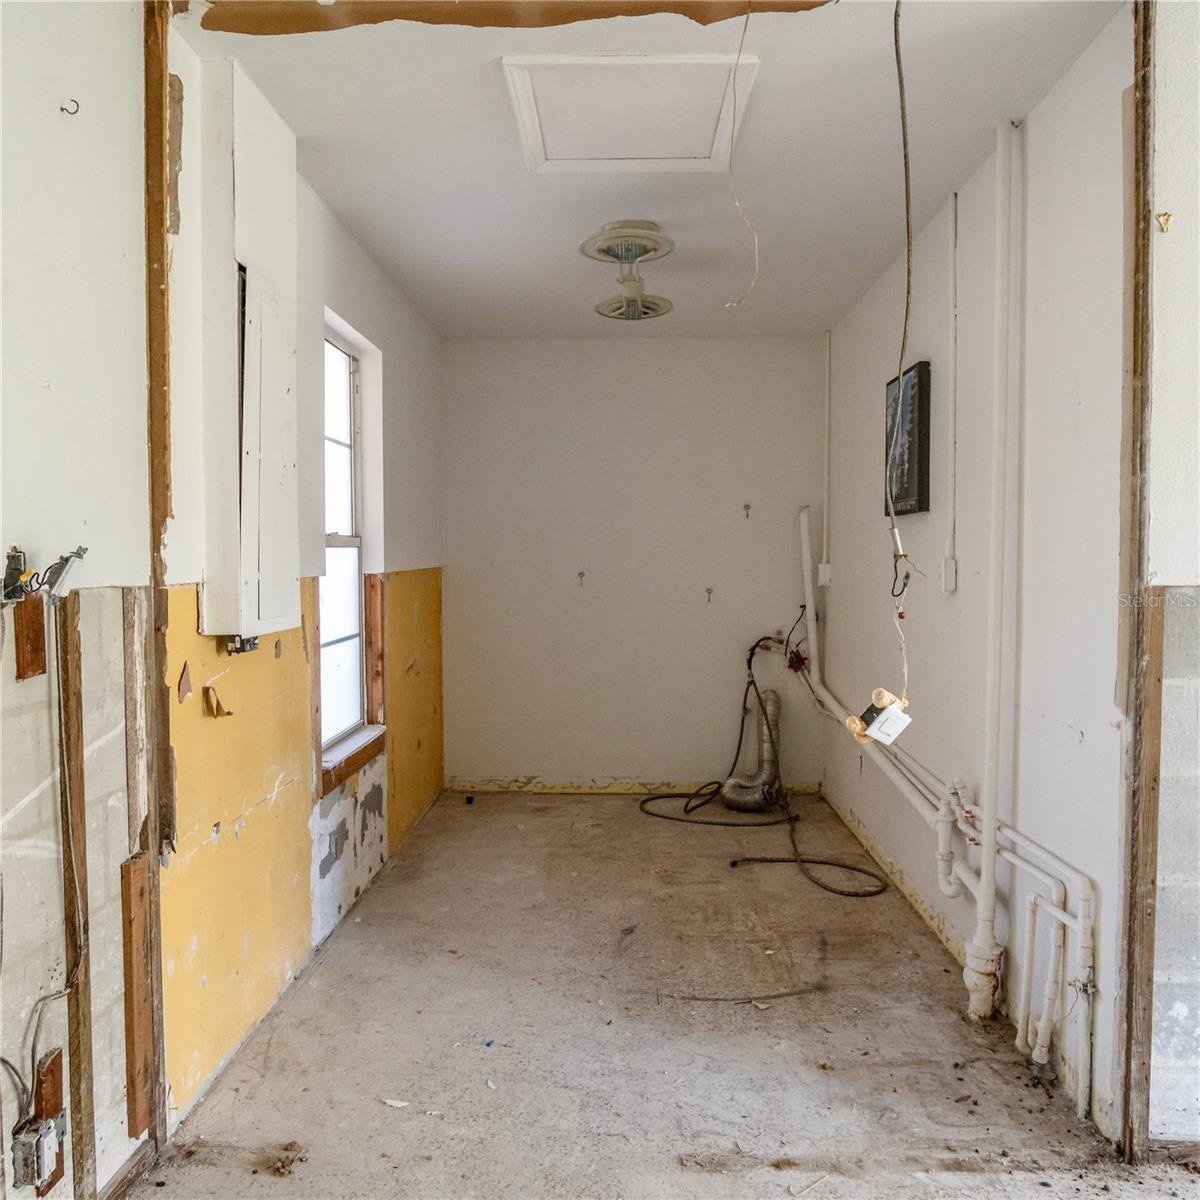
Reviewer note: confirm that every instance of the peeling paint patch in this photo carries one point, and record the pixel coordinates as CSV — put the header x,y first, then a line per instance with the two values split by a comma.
x,y
337,844
372,804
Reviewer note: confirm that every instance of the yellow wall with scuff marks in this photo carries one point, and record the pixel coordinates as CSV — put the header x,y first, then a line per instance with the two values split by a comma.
x,y
412,614
236,910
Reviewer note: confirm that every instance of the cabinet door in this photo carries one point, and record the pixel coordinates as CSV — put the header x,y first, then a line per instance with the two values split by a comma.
x,y
270,584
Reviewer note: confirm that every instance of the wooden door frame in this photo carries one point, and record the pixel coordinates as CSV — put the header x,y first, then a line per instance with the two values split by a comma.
x,y
1146,647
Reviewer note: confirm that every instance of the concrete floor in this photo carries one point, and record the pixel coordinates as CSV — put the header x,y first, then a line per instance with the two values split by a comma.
x,y
493,1020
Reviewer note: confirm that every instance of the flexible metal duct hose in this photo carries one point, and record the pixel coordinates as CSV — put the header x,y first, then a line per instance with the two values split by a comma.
x,y
752,794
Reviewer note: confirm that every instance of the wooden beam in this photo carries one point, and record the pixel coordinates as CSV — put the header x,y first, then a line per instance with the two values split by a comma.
x,y
158,830
271,17
1145,682
75,896
47,1104
373,628
139,1006
29,637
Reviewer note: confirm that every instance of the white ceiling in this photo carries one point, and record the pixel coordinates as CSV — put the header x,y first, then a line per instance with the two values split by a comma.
x,y
407,132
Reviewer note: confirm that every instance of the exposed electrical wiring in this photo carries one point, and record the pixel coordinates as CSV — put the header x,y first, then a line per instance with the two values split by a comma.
x,y
902,567
38,1011
708,792
737,203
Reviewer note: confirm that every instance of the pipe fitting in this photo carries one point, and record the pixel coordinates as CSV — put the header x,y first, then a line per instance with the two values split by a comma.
x,y
981,974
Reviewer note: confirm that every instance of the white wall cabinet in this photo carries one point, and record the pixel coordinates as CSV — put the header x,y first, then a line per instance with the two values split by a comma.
x,y
250,580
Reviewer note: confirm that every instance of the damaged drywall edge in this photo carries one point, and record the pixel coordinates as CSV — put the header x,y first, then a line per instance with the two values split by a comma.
x,y
262,18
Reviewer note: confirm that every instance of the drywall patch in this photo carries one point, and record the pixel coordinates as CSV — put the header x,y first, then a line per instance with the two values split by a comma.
x,y
372,805
336,844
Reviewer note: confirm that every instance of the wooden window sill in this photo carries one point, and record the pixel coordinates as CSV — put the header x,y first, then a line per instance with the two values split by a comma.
x,y
350,754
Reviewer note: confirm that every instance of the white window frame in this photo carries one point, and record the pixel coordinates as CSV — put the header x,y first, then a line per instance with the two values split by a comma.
x,y
352,539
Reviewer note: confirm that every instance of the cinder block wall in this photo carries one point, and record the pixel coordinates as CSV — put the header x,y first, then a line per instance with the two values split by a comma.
x,y
1175,1063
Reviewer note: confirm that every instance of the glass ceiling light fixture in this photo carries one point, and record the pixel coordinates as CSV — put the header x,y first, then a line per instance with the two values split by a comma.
x,y
629,244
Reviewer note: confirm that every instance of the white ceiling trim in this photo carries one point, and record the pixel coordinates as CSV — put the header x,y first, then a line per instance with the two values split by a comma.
x,y
705,146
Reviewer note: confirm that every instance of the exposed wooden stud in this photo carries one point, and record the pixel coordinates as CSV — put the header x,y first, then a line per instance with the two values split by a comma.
x,y
373,628
29,637
139,1007
75,896
310,636
47,1104
1145,677
158,830
135,604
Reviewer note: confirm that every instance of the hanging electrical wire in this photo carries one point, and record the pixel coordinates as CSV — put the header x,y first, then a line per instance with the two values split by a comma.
x,y
707,792
902,566
737,203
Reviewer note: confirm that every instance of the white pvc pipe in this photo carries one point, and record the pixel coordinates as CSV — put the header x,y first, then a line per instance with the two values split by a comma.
x,y
828,444
926,808
952,400
1041,1049
983,951
1025,996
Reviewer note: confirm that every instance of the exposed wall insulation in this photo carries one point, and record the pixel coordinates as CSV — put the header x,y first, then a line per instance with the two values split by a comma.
x,y
236,902
412,646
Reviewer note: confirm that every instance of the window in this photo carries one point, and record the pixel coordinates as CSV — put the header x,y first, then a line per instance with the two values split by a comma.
x,y
343,707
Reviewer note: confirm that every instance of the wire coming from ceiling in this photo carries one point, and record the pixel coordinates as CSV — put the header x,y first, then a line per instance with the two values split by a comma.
x,y
737,203
902,565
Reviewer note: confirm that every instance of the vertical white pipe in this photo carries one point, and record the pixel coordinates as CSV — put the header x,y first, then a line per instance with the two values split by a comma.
x,y
983,951
950,566
828,447
1025,999
925,807
1041,1051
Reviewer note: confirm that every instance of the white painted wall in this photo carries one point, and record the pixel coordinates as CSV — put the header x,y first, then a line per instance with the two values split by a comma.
x,y
401,365
74,288
1173,478
630,462
1070,730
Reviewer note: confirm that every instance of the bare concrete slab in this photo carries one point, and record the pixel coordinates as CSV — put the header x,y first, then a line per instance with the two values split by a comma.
x,y
498,1018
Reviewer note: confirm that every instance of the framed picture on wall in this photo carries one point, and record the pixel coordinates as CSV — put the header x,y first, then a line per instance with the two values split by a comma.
x,y
906,441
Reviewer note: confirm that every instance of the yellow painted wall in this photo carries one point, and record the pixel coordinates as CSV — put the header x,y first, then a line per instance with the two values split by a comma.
x,y
412,615
236,911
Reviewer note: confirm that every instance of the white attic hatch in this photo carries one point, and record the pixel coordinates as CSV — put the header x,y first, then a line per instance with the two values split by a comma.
x,y
654,112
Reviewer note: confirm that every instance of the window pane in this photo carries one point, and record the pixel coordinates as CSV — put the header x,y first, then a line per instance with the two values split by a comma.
x,y
341,604
337,393
339,488
341,688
